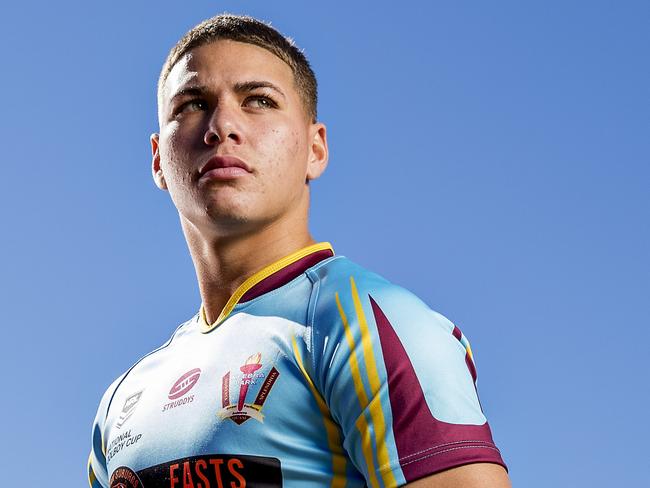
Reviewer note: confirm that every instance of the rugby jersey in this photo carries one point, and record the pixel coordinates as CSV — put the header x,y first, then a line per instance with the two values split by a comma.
x,y
317,373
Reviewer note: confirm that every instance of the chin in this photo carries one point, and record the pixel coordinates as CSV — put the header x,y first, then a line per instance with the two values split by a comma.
x,y
228,222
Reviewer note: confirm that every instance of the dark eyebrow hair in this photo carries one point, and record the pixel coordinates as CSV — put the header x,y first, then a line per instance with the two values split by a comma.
x,y
188,91
241,87
248,86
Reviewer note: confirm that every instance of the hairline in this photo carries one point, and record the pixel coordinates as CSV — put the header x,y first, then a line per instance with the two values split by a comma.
x,y
167,69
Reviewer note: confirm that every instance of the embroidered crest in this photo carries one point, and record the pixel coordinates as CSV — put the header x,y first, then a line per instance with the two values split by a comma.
x,y
251,376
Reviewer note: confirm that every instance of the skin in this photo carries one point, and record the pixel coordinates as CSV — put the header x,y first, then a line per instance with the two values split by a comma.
x,y
477,475
227,223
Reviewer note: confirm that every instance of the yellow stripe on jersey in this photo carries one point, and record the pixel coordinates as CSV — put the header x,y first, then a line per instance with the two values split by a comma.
x,y
91,474
333,437
376,411
362,425
256,278
469,351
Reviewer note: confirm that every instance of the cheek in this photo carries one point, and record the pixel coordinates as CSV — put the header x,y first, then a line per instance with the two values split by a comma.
x,y
173,159
174,147
285,148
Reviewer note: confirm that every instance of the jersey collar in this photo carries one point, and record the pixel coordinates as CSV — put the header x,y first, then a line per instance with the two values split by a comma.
x,y
269,278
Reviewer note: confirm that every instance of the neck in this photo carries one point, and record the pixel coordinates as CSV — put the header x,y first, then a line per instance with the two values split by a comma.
x,y
222,263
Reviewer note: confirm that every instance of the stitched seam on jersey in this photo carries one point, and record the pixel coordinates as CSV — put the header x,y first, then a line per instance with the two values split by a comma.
x,y
419,457
447,444
322,263
110,401
449,450
314,277
166,344
314,294
258,277
312,305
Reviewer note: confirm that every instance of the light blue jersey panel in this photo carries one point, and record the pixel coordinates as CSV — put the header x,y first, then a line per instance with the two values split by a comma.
x,y
317,373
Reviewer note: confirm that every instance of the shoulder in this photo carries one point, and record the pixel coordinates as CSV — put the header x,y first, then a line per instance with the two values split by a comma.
x,y
346,289
356,311
384,356
109,394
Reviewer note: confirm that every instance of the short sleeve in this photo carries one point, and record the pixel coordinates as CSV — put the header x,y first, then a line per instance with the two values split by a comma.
x,y
399,379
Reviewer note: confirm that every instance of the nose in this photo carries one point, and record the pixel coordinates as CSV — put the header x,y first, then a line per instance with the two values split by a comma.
x,y
223,125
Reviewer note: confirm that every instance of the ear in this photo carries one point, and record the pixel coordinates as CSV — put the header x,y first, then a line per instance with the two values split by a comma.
x,y
156,170
318,152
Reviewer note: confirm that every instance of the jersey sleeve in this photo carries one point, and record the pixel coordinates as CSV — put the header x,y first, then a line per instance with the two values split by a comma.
x,y
399,379
97,469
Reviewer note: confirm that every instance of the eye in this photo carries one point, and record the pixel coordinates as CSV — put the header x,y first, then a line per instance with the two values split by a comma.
x,y
191,106
260,101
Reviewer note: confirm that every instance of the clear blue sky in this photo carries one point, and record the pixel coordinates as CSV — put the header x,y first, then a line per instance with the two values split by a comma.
x,y
493,157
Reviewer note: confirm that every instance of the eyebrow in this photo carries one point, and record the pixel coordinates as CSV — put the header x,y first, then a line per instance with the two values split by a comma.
x,y
188,91
241,87
248,86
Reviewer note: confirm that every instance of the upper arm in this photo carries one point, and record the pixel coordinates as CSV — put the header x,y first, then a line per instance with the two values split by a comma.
x,y
400,382
478,475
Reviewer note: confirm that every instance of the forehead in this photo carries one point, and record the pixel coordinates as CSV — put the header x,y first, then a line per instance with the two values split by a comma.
x,y
228,62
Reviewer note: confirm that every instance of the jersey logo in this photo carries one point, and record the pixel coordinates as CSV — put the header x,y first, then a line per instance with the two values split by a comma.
x,y
181,388
129,407
184,384
214,471
240,411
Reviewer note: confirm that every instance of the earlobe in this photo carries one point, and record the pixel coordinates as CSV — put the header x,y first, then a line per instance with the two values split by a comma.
x,y
156,169
319,153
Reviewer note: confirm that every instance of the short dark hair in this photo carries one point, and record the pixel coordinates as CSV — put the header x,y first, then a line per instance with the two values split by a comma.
x,y
242,28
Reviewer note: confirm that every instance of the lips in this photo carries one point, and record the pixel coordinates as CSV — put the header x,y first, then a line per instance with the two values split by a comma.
x,y
224,167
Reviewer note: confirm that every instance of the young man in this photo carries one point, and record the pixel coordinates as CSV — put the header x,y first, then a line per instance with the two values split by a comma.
x,y
301,369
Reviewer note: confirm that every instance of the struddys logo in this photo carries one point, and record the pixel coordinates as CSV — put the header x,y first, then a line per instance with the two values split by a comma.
x,y
180,389
251,378
123,477
129,407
